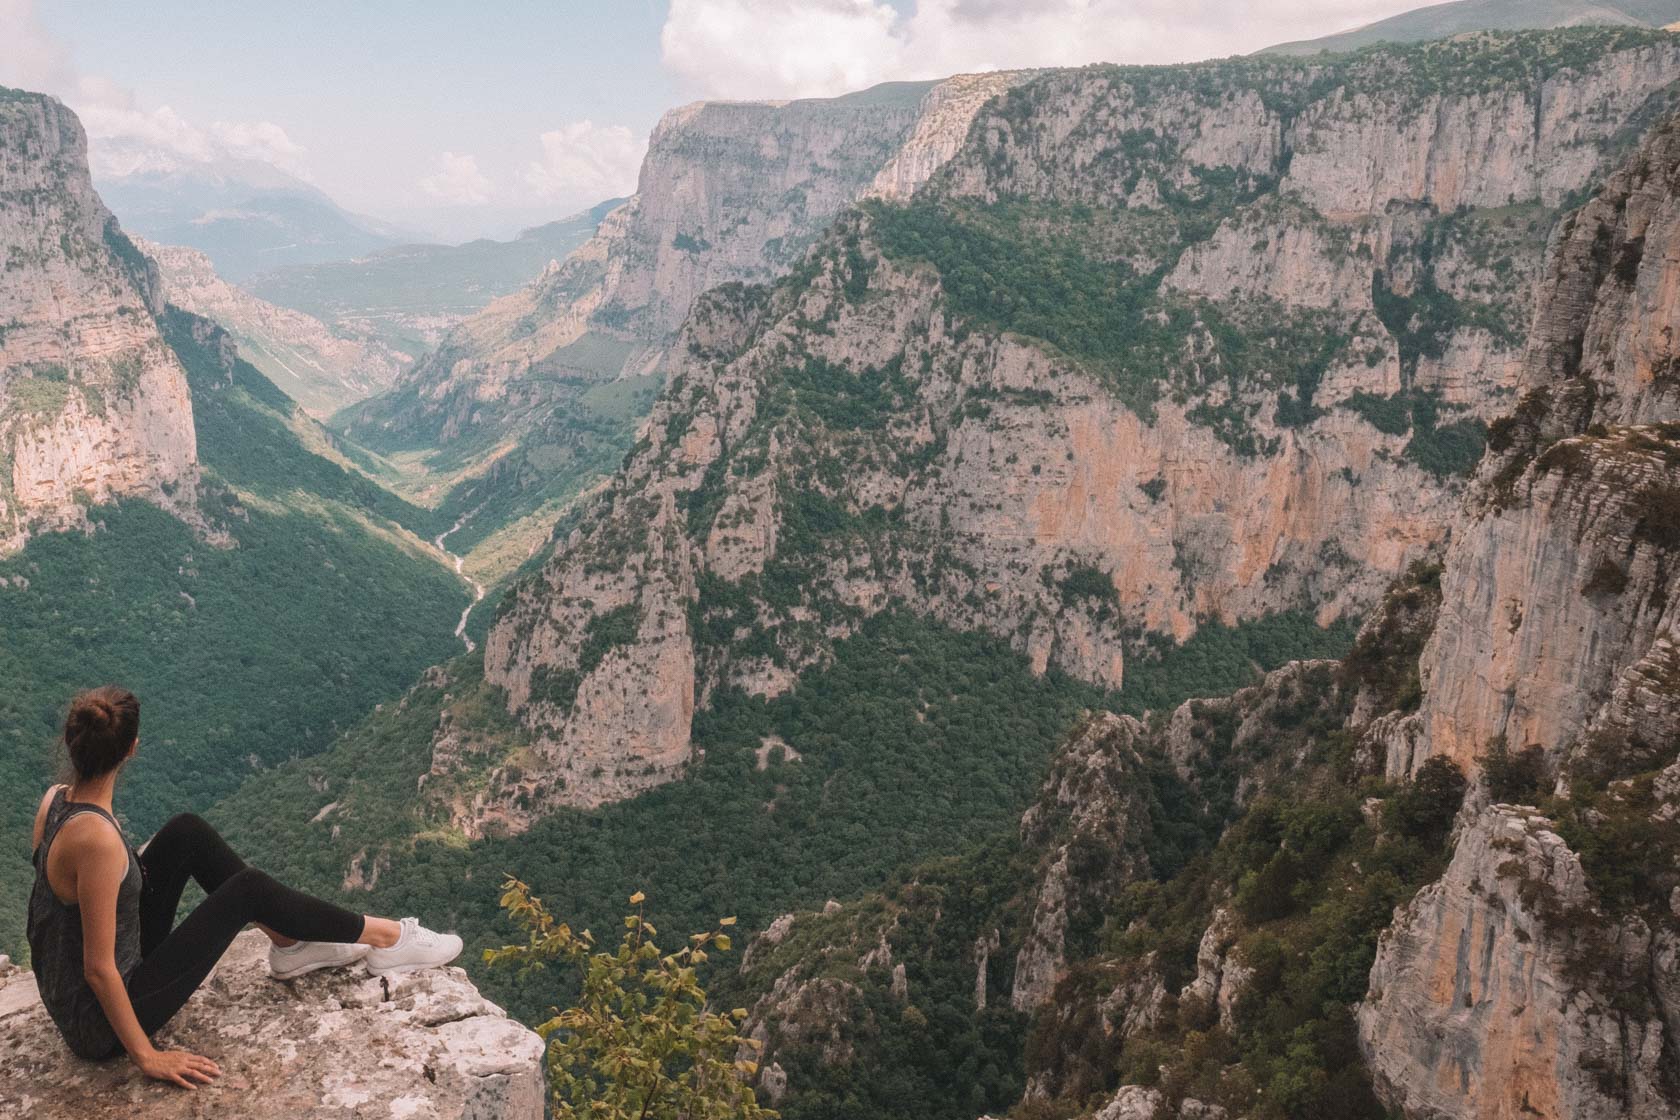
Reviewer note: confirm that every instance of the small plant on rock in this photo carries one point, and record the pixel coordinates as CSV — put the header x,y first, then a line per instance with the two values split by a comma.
x,y
640,1044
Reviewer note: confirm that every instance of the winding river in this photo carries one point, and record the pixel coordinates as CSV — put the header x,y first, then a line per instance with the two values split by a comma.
x,y
478,588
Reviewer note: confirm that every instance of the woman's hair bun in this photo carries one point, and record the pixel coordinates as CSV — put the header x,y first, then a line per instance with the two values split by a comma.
x,y
100,729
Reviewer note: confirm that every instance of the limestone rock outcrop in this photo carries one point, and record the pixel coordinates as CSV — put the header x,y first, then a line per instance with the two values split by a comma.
x,y
1529,980
93,405
1486,998
327,1046
1559,589
1093,801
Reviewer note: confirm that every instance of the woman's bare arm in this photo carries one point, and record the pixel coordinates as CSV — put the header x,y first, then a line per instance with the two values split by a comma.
x,y
101,861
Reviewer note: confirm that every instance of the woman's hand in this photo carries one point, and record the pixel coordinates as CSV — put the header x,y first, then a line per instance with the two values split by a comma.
x,y
184,1068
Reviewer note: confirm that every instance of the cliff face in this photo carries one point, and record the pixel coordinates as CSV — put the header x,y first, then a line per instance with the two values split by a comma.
x,y
93,405
1223,381
535,398
728,191
1537,977
328,1045
1558,613
320,368
1496,995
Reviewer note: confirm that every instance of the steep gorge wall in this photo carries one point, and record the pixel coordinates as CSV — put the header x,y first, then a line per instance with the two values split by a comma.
x,y
869,433
728,191
93,405
1560,589
1537,977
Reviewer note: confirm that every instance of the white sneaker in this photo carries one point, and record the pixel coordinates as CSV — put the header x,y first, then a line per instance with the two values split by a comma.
x,y
417,948
310,956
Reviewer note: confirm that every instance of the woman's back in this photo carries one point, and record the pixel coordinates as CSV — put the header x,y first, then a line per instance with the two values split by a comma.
x,y
55,939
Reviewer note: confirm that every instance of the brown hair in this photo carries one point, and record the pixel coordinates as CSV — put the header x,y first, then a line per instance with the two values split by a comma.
x,y
100,729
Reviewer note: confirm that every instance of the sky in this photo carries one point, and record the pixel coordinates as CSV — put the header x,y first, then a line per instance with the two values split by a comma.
x,y
477,119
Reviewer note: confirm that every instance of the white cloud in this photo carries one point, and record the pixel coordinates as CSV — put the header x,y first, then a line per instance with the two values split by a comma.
x,y
264,141
776,48
30,58
584,162
790,48
124,138
457,181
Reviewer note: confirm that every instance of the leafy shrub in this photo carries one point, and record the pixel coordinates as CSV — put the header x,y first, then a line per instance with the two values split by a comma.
x,y
641,1043
1424,809
1516,777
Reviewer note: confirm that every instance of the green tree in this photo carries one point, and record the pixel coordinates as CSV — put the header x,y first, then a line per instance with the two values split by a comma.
x,y
640,1044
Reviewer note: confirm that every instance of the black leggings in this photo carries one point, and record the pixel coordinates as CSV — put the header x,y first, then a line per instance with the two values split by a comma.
x,y
175,961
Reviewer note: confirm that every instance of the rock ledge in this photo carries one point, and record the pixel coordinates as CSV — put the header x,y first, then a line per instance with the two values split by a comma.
x,y
335,1044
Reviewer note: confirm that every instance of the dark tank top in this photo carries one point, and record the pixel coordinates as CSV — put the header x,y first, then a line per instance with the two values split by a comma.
x,y
55,941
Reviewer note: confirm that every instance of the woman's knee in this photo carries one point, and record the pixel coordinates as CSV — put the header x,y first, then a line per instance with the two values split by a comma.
x,y
185,825
247,881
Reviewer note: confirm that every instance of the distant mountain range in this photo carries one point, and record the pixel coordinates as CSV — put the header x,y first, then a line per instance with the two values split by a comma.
x,y
247,217
1442,20
410,293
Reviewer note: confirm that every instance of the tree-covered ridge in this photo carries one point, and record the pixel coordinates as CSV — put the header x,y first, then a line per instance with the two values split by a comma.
x,y
1033,269
914,742
302,600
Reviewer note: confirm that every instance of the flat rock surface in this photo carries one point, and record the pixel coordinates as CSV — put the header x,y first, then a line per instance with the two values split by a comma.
x,y
335,1044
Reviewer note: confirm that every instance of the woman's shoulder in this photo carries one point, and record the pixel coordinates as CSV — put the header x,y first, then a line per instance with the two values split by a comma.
x,y
87,829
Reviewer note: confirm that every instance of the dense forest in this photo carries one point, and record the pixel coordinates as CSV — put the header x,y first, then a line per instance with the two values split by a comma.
x,y
916,742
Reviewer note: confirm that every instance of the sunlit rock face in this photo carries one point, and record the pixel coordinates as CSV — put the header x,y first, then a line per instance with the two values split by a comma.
x,y
93,405
992,480
1559,592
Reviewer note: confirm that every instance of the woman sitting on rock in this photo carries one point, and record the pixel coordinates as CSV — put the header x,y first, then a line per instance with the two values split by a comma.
x,y
111,964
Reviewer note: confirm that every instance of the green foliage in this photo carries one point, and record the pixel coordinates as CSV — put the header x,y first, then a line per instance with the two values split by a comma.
x,y
1425,809
1038,270
1391,415
1514,777
1083,584
1219,659
914,743
847,401
1312,884
997,270
640,1044
1384,657
1444,450
930,1055
246,436
858,269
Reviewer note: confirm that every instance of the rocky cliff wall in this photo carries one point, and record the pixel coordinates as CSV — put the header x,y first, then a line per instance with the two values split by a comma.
x,y
1559,587
93,405
1489,997
728,191
1536,978
1278,421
